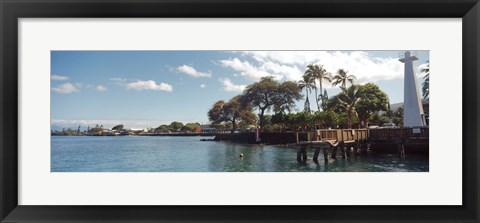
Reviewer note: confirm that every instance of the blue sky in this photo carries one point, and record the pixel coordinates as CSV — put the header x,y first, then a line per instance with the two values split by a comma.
x,y
147,88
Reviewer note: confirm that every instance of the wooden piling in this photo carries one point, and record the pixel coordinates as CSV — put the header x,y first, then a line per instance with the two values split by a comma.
x,y
334,152
304,154
315,154
299,155
344,151
401,150
364,148
356,148
325,153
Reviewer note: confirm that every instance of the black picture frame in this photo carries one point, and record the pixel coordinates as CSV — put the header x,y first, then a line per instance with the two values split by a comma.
x,y
12,10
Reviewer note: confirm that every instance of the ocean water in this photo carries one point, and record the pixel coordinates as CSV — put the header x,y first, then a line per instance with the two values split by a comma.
x,y
189,154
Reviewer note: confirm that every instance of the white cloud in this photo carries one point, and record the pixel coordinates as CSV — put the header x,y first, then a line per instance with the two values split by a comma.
x,y
119,81
101,88
59,78
66,88
149,85
230,87
290,65
192,72
246,69
203,85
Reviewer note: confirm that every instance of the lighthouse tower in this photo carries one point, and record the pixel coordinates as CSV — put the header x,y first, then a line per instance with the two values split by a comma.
x,y
412,104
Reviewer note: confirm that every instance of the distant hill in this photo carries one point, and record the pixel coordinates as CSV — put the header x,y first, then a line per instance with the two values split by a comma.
x,y
395,106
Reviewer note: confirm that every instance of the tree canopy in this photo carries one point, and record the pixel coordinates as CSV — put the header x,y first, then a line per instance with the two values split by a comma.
x,y
233,111
268,94
342,77
372,100
426,83
118,127
176,125
316,72
367,99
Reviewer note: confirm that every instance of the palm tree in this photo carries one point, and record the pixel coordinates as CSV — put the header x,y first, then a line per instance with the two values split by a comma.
x,y
307,83
324,97
317,72
348,99
342,78
426,83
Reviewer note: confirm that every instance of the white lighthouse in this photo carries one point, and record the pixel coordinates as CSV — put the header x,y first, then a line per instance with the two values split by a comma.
x,y
412,104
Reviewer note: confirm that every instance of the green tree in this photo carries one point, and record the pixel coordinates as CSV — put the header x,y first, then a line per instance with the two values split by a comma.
x,y
118,127
342,77
307,83
325,119
232,112
190,127
268,94
372,100
162,129
318,73
348,99
287,94
97,129
331,104
175,125
398,116
304,119
426,83
279,119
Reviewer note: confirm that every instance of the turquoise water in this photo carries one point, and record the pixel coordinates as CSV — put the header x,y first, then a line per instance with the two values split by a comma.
x,y
189,154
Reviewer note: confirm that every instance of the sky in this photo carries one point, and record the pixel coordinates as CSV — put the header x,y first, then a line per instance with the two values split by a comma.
x,y
143,89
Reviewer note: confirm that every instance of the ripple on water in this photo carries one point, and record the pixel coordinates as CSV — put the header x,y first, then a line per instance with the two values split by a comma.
x,y
189,154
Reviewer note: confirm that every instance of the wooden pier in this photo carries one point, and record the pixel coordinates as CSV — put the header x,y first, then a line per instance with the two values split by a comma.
x,y
402,140
347,142
326,140
357,141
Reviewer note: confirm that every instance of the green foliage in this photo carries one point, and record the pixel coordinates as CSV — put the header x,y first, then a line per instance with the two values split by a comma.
x,y
318,73
325,119
348,100
307,83
286,95
372,100
163,129
190,127
426,82
380,118
176,125
398,116
333,104
96,129
118,127
268,94
344,121
232,112
341,78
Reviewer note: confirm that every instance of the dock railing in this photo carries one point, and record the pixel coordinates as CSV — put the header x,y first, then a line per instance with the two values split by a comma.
x,y
352,135
338,135
398,133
